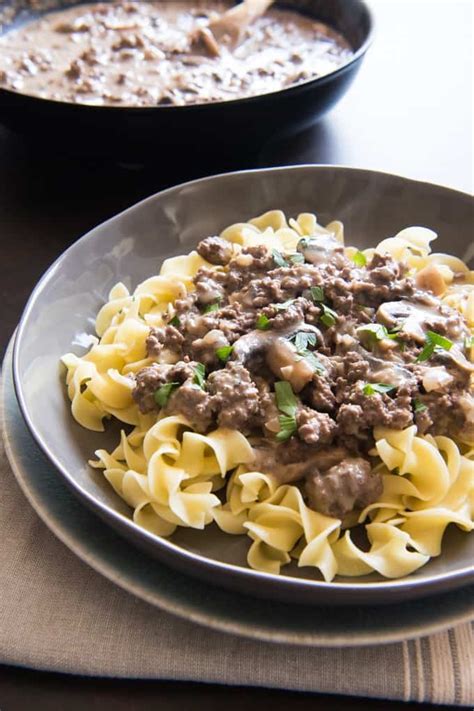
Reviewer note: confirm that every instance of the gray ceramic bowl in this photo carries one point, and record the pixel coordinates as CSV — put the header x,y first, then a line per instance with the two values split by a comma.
x,y
130,247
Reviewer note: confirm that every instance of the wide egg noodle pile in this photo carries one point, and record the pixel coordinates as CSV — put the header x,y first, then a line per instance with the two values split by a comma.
x,y
168,474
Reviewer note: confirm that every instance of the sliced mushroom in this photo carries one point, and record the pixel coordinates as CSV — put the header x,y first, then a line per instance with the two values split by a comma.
x,y
256,343
283,360
388,372
320,249
412,319
252,345
457,356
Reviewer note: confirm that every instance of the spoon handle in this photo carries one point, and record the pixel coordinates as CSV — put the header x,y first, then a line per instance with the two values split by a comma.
x,y
234,21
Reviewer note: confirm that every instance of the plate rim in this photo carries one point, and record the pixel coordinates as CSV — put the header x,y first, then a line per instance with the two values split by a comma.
x,y
410,587
129,584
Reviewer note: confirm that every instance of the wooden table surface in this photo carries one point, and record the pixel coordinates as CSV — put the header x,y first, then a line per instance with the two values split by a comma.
x,y
408,112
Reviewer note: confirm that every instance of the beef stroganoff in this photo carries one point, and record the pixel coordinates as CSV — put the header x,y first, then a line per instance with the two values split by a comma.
x,y
130,53
314,397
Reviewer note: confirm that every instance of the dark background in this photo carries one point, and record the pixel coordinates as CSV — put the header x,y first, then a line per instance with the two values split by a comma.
x,y
408,112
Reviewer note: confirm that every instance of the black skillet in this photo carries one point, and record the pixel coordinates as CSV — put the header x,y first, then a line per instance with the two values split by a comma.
x,y
131,132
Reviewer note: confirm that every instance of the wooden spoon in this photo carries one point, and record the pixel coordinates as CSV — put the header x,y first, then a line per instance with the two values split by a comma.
x,y
229,27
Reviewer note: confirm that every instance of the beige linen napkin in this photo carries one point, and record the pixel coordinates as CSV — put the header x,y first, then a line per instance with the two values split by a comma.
x,y
58,614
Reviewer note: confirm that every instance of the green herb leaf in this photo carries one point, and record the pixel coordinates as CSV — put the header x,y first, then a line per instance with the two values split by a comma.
x,y
434,342
469,342
175,322
440,341
375,331
372,388
287,428
284,305
418,406
279,259
285,397
329,316
317,293
224,353
303,339
426,353
359,259
314,362
162,395
199,375
263,322
296,258
212,307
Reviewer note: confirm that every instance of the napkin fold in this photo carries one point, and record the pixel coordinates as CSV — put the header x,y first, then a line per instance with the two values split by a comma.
x,y
58,614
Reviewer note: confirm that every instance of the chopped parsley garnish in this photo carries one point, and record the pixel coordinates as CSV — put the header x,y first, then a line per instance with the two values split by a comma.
x,y
287,428
283,260
296,258
284,305
427,352
440,341
175,322
434,342
162,395
469,342
317,293
329,316
377,331
287,404
313,361
263,322
278,258
286,398
199,375
418,406
303,339
224,353
359,259
212,307
372,388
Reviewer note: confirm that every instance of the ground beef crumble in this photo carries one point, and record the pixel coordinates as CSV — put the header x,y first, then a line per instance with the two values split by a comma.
x,y
253,320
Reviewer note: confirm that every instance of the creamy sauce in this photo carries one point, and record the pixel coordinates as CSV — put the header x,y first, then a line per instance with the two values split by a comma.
x,y
141,54
320,249
412,319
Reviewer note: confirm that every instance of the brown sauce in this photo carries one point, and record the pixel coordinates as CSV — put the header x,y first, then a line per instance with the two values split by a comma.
x,y
140,54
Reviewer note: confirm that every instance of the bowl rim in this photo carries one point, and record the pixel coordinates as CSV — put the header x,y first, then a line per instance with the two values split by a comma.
x,y
206,105
455,578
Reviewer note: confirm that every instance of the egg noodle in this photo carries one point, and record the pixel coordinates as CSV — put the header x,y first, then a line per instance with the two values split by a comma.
x,y
170,475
